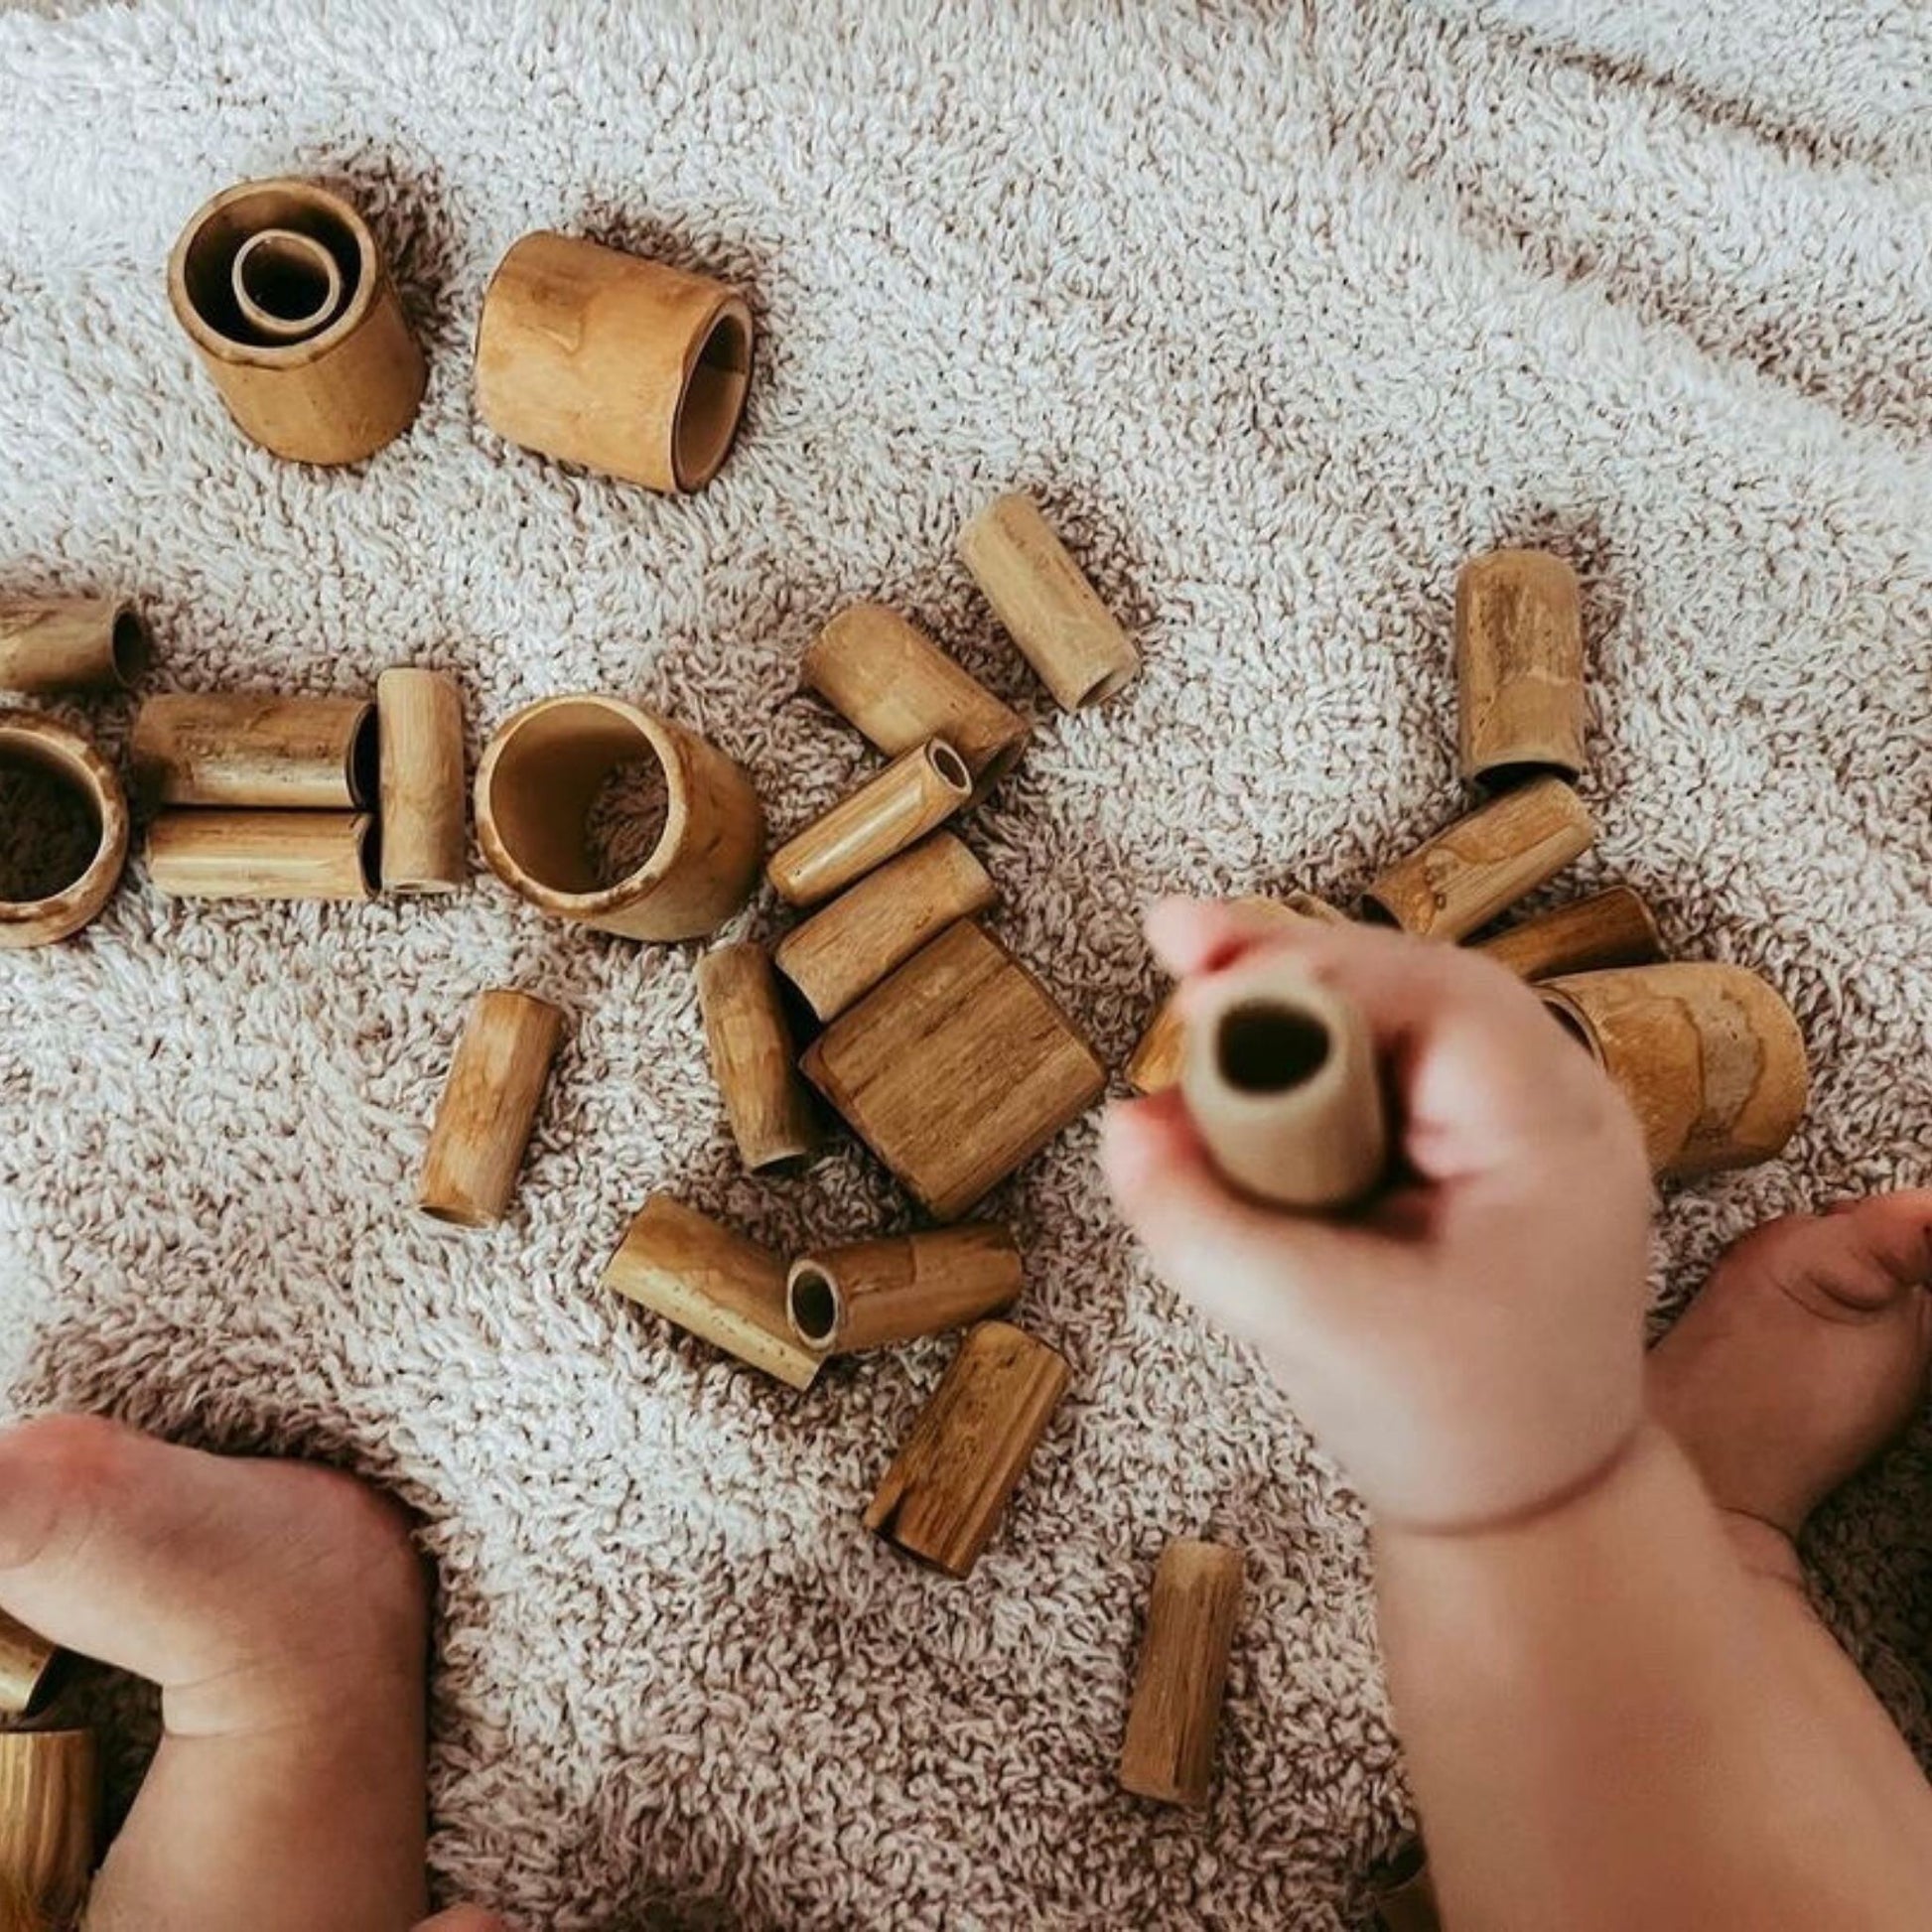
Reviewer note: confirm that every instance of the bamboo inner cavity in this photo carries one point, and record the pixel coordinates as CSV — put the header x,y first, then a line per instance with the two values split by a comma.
x,y
50,829
814,1304
213,266
713,400
286,284
1266,1047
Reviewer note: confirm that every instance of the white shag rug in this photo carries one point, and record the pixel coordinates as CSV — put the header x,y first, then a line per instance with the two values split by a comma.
x,y
1284,310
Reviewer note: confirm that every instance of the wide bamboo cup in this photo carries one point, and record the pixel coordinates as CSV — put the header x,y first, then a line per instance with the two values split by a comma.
x,y
287,284
49,753
419,727
772,1116
870,1294
1168,1750
71,644
26,1667
264,855
1519,666
50,1810
1614,928
256,752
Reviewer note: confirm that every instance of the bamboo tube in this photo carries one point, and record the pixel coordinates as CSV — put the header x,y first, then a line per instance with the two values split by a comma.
x,y
286,285
489,1108
254,751
943,1495
885,675
71,644
722,1288
1038,592
621,364
1519,666
914,793
1614,928
339,391
1402,1893
872,1292
39,750
25,1659
419,728
956,1069
845,950
264,855
1168,1751
49,1802
1484,863
1710,1058
769,1108
536,789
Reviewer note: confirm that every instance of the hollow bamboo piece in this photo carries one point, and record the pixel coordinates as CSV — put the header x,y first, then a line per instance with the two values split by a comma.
x,y
49,1804
264,855
1709,1055
536,787
870,1294
1047,607
71,644
1480,865
772,1118
892,811
334,393
419,730
1402,1893
286,284
624,366
722,1288
1608,928
947,1488
256,752
488,1109
25,1659
882,674
1168,1751
30,743
843,951
1519,666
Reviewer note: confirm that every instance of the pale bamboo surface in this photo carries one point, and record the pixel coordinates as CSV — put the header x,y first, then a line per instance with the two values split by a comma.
x,y
71,644
256,752
870,1294
49,1804
1519,666
32,743
1176,1714
1614,928
264,855
773,1117
25,1658
419,726
286,285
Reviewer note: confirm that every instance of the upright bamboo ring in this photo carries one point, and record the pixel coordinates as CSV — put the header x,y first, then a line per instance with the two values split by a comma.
x,y
33,743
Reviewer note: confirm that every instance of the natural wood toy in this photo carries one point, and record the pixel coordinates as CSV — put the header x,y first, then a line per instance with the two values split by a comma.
x,y
71,644
25,1659
1480,865
1038,593
50,1806
1709,1055
1403,1893
872,1293
542,775
722,1288
772,1116
1614,928
329,378
256,752
621,364
943,1495
489,1108
264,855
848,947
1168,1751
1519,666
914,793
419,722
956,1068
37,750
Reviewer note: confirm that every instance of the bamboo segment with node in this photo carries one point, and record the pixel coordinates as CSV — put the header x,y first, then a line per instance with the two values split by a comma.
x,y
254,751
1519,666
943,1495
1614,928
917,792
624,366
1710,1058
843,950
706,1279
49,1808
26,1660
1168,1751
771,1110
419,728
264,855
49,892
489,1108
544,776
71,644
1045,601
872,1293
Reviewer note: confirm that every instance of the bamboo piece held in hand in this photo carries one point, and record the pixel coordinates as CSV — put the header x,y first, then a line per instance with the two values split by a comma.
x,y
872,1293
71,644
286,285
419,726
489,1108
772,1118
254,751
1608,928
1168,1751
264,855
49,1802
1519,666
943,1495
37,750
25,1658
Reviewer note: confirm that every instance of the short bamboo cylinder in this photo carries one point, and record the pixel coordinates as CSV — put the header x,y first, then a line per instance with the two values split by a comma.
x,y
264,855
71,644
50,1809
946,1490
842,952
1480,865
539,780
882,674
332,394
419,727
870,1294
41,751
1519,666
624,366
1038,593
1403,1893
26,1667
712,1282
772,1116
256,752
1168,1750
1608,928
489,1108
1710,1058
287,284
912,795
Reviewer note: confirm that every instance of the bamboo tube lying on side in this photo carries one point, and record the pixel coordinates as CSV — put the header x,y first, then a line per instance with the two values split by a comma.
x,y
771,1110
1519,666
50,1806
872,1293
264,855
255,752
37,750
25,1658
1614,928
419,729
71,644
1168,1751
286,285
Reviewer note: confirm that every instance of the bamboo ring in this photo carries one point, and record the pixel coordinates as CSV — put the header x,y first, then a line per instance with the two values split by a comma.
x,y
33,743
286,284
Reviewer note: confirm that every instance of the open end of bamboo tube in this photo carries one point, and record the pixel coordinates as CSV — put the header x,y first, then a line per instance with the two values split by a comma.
x,y
286,285
206,271
56,795
130,644
370,854
814,1306
1262,1048
950,767
714,398
362,763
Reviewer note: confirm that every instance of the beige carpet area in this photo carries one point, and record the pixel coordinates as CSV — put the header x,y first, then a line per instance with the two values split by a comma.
x,y
1284,310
